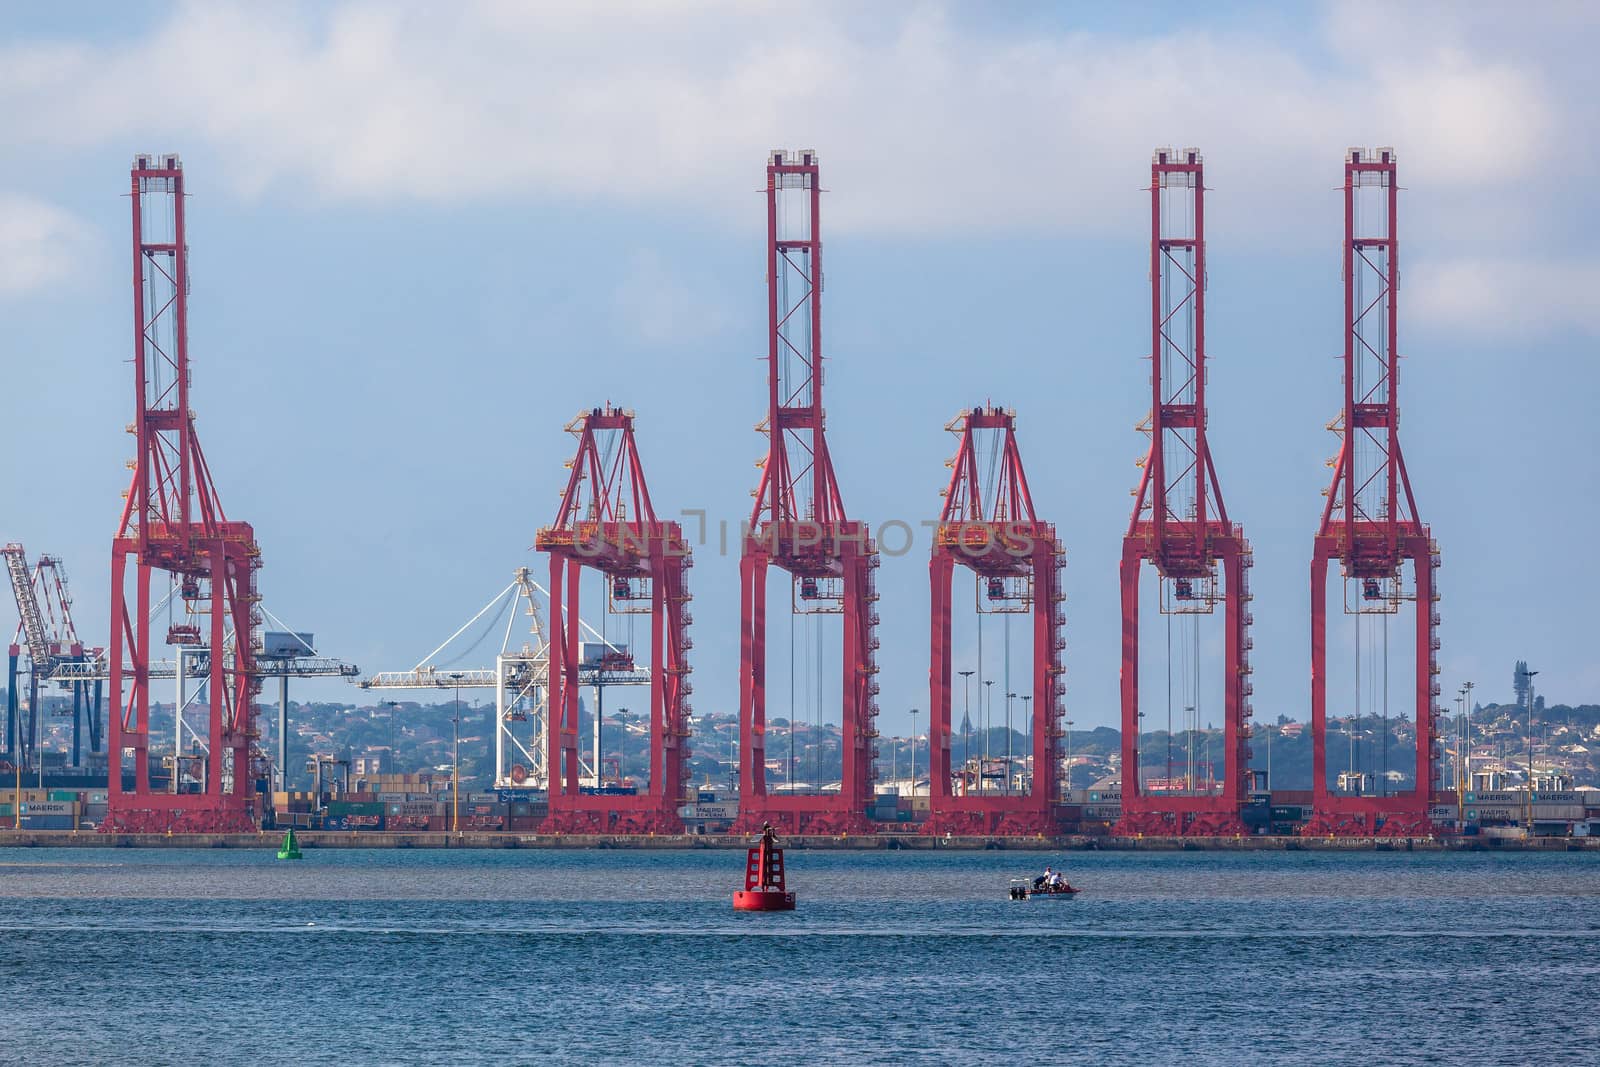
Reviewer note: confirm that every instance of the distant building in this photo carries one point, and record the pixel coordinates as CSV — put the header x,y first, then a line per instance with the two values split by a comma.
x,y
373,762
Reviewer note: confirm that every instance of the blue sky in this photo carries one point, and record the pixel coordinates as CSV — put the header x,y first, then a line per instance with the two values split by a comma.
x,y
423,240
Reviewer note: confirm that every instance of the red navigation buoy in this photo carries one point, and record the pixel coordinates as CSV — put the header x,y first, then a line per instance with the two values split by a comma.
x,y
763,878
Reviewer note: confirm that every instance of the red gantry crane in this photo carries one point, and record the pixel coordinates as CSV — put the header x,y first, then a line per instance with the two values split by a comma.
x,y
173,522
607,523
1370,523
988,525
799,524
1181,526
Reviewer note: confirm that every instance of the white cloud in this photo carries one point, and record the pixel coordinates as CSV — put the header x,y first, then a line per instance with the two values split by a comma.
x,y
1504,298
931,125
43,244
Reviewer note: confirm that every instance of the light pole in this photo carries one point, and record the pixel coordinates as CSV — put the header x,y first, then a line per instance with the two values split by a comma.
x,y
1009,698
966,726
455,761
1466,733
988,706
1270,731
622,745
1027,717
1190,725
393,705
1529,824
1138,760
914,754
1350,731
1068,724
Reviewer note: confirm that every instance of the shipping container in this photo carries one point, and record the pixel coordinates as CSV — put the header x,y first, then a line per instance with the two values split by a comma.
x,y
49,822
1558,812
67,795
726,810
413,808
40,808
355,807
1494,814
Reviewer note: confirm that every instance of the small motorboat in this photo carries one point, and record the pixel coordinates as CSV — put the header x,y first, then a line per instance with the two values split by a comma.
x,y
1023,889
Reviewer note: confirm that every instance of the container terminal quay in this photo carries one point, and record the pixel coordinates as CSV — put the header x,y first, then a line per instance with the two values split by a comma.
x,y
96,754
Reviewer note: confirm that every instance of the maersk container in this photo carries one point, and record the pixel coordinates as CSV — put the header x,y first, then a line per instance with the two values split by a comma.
x,y
41,808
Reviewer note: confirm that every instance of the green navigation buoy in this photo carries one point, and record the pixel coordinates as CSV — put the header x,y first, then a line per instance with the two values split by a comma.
x,y
290,849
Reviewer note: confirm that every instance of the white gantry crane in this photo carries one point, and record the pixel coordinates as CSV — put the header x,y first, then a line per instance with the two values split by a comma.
x,y
520,679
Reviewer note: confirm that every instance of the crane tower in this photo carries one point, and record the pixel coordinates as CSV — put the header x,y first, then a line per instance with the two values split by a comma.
x,y
1181,526
1370,522
173,523
988,525
607,523
799,525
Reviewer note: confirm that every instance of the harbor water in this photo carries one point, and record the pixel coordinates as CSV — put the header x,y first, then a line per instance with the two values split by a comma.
x,y
623,956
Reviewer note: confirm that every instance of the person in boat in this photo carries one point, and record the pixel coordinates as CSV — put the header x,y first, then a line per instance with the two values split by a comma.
x,y
1043,881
